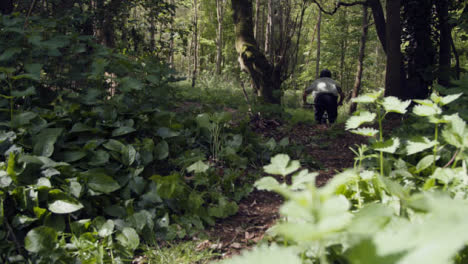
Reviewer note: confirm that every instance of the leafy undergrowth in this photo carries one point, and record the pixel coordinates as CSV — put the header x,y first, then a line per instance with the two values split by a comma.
x,y
403,201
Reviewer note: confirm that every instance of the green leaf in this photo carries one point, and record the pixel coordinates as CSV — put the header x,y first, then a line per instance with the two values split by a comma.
x,y
266,254
44,142
114,145
281,165
128,155
388,146
122,131
128,84
425,110
422,144
203,120
100,182
365,131
22,119
80,127
267,184
165,132
355,121
368,98
425,163
450,98
61,203
28,92
107,229
198,167
394,105
9,53
129,238
41,239
34,69
99,158
72,156
161,150
303,178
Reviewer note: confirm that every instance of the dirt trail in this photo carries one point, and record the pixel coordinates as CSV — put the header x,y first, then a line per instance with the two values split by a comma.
x,y
259,211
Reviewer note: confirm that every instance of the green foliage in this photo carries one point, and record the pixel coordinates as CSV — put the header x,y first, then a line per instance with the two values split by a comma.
x,y
413,212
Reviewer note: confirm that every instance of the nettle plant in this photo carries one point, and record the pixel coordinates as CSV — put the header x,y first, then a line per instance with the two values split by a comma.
x,y
397,205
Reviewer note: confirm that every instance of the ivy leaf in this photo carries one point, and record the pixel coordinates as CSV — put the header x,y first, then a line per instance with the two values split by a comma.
x,y
41,239
281,165
198,167
61,203
365,131
389,146
355,121
395,105
422,144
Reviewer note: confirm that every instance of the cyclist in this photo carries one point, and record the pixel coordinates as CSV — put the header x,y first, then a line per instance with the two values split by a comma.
x,y
325,92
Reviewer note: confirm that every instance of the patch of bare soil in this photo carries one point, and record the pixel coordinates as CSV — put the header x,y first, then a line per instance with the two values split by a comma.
x,y
259,211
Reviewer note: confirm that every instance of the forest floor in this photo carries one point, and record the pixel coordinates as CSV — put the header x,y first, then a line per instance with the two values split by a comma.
x,y
329,146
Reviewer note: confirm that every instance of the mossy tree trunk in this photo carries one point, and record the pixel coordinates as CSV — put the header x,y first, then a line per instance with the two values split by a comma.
x,y
265,78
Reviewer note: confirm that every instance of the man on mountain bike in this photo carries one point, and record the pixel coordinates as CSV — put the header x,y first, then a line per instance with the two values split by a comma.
x,y
325,91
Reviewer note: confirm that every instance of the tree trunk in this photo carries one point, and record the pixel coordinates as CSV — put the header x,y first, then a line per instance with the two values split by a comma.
x,y
251,59
171,40
457,57
299,33
444,46
379,20
257,21
362,49
6,7
317,62
195,42
269,31
394,58
219,33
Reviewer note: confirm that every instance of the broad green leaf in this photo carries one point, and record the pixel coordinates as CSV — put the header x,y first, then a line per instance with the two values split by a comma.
x,y
165,132
100,182
161,150
99,158
388,146
425,163
267,184
128,84
106,229
203,120
41,239
128,155
434,238
284,142
355,121
455,132
114,145
365,131
281,165
394,105
450,98
61,203
28,92
122,131
425,110
44,142
198,167
129,238
303,178
22,119
369,97
266,254
34,69
370,219
424,143
80,127
221,117
9,53
72,156
271,144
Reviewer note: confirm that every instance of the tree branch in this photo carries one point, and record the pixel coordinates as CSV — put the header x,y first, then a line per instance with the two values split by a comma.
x,y
338,5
